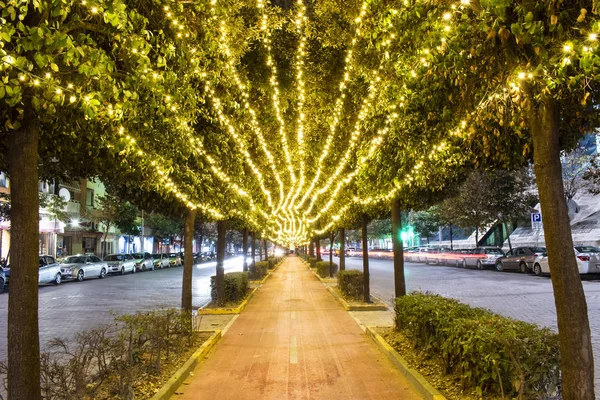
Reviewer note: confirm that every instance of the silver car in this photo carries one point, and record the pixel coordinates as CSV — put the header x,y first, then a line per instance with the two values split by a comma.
x,y
161,260
143,261
482,257
82,266
49,271
120,263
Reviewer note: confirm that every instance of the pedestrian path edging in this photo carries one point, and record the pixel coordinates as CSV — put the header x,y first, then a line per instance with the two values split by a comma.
x,y
357,307
418,381
323,280
169,388
228,310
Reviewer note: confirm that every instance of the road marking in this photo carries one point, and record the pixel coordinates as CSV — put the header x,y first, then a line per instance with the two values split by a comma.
x,y
293,351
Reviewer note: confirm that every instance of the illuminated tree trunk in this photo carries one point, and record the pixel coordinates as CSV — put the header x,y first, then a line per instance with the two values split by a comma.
x,y
365,250
265,246
221,239
260,249
245,248
342,249
318,244
331,254
253,247
311,248
577,362
188,261
23,330
399,279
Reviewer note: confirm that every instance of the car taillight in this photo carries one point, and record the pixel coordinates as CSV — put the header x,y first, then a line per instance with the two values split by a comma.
x,y
584,258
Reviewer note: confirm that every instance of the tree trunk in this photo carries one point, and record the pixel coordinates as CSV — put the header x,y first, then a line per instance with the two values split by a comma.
x,y
245,248
399,279
188,261
265,248
476,236
311,249
23,330
253,247
507,235
577,362
451,244
260,249
331,254
318,245
342,249
220,280
365,251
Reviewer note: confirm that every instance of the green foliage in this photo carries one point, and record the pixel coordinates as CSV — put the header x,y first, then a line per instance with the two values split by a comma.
x,y
489,353
312,261
258,270
325,269
351,284
236,287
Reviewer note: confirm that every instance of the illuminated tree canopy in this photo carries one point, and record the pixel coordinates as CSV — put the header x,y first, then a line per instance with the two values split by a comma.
x,y
292,117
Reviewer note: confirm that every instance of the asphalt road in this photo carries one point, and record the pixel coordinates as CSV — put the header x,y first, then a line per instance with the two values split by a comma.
x,y
76,306
525,297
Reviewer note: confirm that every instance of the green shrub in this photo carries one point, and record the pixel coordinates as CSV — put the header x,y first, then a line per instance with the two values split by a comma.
x,y
489,353
236,287
312,261
258,270
351,284
323,269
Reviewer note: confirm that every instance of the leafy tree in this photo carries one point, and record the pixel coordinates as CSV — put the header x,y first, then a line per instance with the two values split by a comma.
x,y
575,164
111,212
425,223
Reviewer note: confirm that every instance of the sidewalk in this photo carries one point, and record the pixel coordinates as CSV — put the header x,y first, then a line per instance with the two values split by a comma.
x,y
294,341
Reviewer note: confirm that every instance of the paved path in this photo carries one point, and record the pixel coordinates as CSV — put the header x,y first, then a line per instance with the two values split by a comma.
x,y
294,341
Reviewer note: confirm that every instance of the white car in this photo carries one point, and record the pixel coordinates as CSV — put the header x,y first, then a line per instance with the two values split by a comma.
x,y
588,261
120,263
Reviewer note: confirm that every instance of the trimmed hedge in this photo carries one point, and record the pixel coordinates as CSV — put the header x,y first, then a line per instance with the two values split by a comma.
x,y
490,353
258,270
323,269
312,261
351,284
236,287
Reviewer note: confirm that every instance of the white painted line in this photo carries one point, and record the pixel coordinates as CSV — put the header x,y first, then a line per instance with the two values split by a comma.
x,y
293,350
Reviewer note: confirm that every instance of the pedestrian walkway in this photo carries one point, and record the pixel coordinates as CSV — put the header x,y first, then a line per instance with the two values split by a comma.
x,y
294,341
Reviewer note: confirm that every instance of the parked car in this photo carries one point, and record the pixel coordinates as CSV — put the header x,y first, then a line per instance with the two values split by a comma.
x,y
519,259
588,261
81,267
409,254
2,279
482,257
143,261
49,271
458,256
161,260
353,252
120,263
175,259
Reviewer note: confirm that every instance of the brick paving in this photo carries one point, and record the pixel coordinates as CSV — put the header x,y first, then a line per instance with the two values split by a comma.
x,y
295,341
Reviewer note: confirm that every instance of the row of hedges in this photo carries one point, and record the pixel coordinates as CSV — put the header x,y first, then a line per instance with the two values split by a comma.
x,y
325,269
491,354
273,261
258,270
236,287
351,284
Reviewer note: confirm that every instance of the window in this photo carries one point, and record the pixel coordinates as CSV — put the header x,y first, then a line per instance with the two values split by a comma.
x,y
95,259
89,198
521,252
3,180
50,260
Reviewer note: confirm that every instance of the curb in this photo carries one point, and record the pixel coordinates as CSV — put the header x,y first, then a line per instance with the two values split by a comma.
x,y
419,382
361,307
323,280
169,388
221,311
